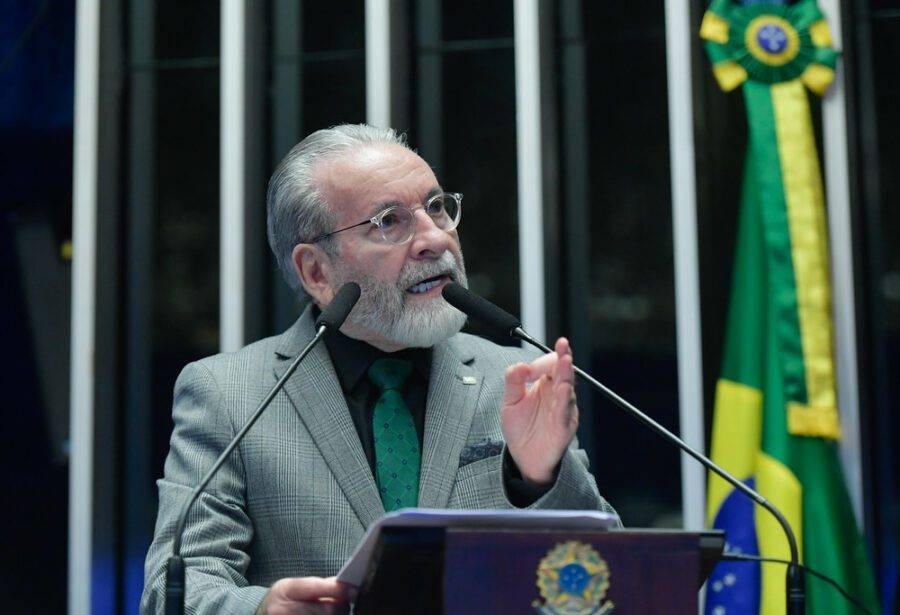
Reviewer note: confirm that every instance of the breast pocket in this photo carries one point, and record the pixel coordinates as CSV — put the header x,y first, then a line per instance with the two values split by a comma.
x,y
479,484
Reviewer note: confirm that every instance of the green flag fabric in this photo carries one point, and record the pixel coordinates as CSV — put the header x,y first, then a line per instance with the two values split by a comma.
x,y
776,423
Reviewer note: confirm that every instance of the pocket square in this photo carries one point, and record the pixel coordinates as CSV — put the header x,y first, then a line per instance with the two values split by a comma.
x,y
482,450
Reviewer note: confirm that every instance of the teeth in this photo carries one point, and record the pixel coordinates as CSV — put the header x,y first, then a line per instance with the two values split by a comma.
x,y
424,286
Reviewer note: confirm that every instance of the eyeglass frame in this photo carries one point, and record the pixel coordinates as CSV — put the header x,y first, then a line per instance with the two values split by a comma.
x,y
377,218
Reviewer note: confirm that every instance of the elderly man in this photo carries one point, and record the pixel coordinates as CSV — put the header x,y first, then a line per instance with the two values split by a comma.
x,y
397,409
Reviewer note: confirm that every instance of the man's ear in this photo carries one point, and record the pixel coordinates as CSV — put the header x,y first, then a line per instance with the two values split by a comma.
x,y
314,270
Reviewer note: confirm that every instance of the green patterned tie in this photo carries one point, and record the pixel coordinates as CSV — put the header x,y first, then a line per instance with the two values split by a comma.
x,y
396,440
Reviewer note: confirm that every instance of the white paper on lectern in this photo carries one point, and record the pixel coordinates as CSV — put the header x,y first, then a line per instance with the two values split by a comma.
x,y
354,569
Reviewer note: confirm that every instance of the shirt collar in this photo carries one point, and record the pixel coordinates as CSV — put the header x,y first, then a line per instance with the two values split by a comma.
x,y
352,358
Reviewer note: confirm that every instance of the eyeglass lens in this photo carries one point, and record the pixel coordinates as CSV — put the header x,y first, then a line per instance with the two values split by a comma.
x,y
397,222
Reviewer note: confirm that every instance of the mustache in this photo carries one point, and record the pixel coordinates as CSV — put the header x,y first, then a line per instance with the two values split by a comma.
x,y
415,272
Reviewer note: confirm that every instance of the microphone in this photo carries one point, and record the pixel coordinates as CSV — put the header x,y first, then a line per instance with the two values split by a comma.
x,y
481,309
336,312
331,318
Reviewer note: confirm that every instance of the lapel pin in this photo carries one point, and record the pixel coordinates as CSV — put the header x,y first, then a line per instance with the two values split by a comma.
x,y
469,380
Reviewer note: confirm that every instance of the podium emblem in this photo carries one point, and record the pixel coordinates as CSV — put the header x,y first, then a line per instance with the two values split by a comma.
x,y
573,580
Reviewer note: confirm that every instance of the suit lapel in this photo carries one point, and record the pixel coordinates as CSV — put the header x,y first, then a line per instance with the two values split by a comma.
x,y
452,393
318,399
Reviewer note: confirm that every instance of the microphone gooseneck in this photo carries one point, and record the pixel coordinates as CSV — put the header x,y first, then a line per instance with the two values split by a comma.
x,y
331,318
485,311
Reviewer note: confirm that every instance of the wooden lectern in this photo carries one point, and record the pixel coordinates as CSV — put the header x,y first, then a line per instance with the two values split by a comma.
x,y
492,570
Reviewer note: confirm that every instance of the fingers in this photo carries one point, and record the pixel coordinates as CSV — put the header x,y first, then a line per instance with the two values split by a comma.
x,y
564,401
315,588
516,378
563,370
556,366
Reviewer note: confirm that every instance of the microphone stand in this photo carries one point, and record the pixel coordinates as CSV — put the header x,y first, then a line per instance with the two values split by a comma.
x,y
175,586
795,586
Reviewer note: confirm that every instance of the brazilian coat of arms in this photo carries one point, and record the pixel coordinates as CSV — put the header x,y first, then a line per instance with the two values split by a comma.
x,y
573,580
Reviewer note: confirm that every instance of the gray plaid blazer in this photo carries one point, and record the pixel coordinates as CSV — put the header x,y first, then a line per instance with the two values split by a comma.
x,y
297,494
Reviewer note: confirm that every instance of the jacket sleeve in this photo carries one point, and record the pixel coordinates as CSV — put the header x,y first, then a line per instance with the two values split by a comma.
x,y
575,487
492,482
218,532
484,484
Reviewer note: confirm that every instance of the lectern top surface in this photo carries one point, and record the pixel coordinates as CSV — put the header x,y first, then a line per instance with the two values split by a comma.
x,y
355,568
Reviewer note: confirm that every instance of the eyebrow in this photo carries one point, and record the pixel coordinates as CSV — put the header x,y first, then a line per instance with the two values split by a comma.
x,y
379,207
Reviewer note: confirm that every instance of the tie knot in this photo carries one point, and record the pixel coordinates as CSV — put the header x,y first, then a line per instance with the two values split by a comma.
x,y
389,374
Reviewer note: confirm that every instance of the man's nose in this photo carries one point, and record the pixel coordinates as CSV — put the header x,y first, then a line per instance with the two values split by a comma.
x,y
429,240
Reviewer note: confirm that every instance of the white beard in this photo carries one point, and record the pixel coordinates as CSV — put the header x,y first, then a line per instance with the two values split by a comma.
x,y
383,310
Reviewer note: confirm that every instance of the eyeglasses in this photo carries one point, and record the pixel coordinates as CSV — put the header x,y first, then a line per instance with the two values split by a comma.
x,y
396,222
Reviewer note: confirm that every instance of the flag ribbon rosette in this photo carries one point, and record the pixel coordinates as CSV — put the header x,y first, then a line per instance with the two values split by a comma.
x,y
769,44
776,421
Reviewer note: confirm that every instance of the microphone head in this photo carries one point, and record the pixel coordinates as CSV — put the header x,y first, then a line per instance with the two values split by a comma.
x,y
480,308
336,312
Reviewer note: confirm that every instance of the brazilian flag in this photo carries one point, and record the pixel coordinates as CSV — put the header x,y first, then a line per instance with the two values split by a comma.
x,y
776,423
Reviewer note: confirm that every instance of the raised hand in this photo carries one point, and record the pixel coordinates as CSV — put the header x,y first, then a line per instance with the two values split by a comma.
x,y
539,415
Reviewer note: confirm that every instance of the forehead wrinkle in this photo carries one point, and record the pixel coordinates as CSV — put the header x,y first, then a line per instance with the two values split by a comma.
x,y
363,182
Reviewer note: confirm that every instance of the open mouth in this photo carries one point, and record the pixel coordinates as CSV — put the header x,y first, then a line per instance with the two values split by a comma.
x,y
428,284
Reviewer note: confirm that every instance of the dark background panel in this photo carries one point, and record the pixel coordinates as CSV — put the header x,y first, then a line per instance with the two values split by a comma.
x,y
885,8
333,25
631,297
332,93
36,98
477,19
185,233
883,209
187,30
479,160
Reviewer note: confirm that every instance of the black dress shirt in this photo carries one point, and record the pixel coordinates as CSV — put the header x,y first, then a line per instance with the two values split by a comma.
x,y
352,358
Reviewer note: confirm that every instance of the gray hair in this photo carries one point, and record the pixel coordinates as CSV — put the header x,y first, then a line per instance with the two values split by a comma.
x,y
296,209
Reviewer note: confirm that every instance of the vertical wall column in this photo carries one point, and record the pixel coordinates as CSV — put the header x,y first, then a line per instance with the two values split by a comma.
x,y
241,174
430,82
137,414
687,276
529,166
576,188
287,121
837,190
232,180
84,286
378,63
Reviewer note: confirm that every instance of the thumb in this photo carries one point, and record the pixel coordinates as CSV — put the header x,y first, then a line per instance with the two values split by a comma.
x,y
311,589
